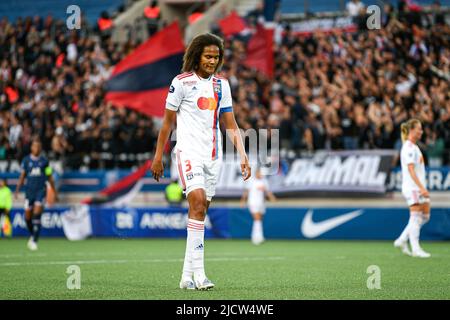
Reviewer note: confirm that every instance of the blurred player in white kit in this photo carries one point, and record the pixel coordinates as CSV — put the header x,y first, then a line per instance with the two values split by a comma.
x,y
255,193
413,189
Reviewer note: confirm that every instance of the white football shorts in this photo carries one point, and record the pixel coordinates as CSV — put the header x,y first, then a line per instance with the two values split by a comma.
x,y
197,173
414,197
257,208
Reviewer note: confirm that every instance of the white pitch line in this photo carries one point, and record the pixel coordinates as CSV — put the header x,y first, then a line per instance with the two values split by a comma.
x,y
43,263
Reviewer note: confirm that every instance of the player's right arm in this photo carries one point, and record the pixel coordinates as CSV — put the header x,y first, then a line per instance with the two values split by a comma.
x,y
173,102
423,191
244,197
157,165
271,196
19,184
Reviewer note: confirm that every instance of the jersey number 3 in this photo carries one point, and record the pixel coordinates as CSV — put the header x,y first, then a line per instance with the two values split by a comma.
x,y
188,165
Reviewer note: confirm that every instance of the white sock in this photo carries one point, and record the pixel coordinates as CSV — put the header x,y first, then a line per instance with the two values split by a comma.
x,y
196,246
257,231
414,231
405,234
425,219
188,272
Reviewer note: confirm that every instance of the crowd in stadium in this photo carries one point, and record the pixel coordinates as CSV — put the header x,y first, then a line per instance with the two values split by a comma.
x,y
330,91
349,91
52,84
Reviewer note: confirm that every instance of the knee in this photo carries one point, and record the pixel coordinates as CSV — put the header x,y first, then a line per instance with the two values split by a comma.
x,y
28,215
37,211
425,218
198,208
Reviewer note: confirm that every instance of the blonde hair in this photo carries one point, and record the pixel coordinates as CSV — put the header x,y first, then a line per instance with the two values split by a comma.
x,y
407,126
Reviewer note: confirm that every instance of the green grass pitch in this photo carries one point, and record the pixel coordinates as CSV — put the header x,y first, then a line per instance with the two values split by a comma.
x,y
151,269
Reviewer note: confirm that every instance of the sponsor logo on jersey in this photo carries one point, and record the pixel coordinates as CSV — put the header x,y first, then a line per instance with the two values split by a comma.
x,y
206,103
189,83
35,172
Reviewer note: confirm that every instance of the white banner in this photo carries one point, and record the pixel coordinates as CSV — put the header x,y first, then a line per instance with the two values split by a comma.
x,y
363,171
77,223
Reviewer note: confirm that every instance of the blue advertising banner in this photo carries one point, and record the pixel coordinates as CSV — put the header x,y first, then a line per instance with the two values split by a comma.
x,y
437,179
339,223
128,222
279,223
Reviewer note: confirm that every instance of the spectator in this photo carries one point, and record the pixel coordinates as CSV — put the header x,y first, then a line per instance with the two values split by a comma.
x,y
435,147
152,16
354,7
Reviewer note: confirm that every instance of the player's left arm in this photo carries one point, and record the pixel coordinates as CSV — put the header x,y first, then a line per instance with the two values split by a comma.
x,y
269,193
271,196
244,197
234,134
49,174
232,129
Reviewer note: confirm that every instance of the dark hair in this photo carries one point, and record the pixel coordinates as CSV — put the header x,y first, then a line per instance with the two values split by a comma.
x,y
191,58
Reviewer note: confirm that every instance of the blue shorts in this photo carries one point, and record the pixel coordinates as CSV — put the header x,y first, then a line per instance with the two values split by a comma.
x,y
35,198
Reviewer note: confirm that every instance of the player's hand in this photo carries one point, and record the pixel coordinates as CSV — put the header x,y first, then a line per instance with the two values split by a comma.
x,y
157,169
246,170
424,193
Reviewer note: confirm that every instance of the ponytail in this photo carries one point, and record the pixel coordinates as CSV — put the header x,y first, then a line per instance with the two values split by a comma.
x,y
404,131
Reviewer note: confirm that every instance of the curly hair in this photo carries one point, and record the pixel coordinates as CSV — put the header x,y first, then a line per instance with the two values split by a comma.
x,y
191,58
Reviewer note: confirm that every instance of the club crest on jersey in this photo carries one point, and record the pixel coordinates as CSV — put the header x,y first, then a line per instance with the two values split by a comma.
x,y
216,87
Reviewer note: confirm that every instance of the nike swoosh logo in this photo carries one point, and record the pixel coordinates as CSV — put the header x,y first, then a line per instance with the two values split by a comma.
x,y
311,229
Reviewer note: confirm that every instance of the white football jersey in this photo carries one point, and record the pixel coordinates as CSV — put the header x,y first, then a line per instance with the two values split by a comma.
x,y
410,153
257,191
199,103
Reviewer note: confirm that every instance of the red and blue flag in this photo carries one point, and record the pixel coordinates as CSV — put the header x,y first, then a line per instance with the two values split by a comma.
x,y
141,80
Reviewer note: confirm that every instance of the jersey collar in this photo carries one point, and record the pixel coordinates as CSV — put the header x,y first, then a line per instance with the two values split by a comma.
x,y
203,79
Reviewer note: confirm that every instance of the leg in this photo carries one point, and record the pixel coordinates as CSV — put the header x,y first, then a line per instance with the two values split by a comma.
x,y
416,222
402,240
196,233
199,195
424,218
29,209
413,210
37,212
426,209
28,217
257,229
194,227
